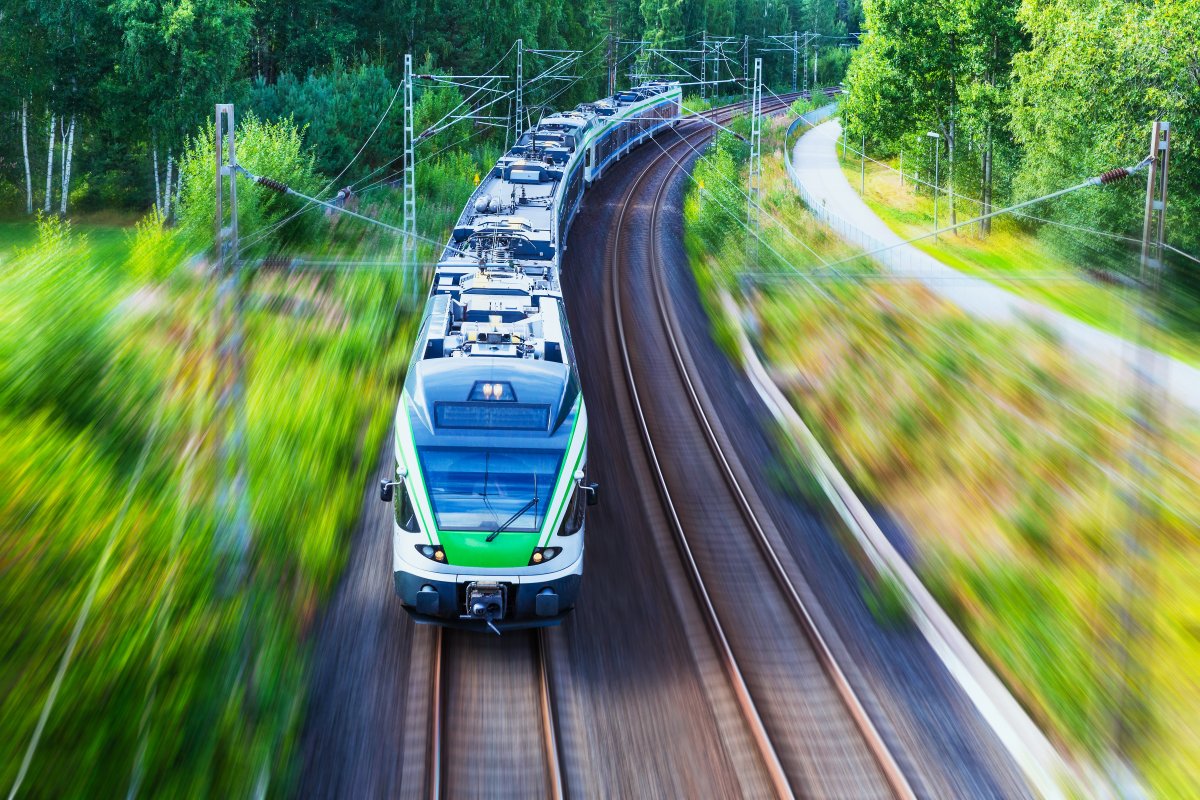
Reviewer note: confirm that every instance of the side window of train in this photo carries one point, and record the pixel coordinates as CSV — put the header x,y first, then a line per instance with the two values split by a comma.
x,y
406,514
591,153
573,519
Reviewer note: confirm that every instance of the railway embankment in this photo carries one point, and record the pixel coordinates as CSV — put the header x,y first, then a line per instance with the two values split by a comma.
x,y
1003,459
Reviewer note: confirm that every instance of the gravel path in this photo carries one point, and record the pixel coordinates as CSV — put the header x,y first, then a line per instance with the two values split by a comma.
x,y
818,175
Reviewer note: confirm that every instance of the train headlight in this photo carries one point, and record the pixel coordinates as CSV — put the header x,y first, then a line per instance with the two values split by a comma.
x,y
543,554
433,552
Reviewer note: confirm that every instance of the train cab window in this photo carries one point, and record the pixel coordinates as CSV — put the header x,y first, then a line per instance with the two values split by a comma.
x,y
406,514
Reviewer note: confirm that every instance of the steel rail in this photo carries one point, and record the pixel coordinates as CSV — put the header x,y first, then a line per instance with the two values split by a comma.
x,y
433,769
436,780
758,732
554,773
870,734
556,790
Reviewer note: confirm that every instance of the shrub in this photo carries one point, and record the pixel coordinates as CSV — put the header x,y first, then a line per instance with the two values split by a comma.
x,y
272,149
155,250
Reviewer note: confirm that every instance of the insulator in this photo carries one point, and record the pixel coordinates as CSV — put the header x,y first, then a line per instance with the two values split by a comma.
x,y
272,184
1114,175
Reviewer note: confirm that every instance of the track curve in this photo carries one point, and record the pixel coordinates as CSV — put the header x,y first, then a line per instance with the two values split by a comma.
x,y
848,768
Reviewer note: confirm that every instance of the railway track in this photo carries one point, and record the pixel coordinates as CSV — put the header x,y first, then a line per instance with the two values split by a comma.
x,y
795,756
513,753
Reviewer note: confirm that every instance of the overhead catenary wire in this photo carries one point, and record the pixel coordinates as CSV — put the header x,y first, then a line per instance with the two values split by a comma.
x,y
1024,215
282,188
1111,176
1108,177
267,231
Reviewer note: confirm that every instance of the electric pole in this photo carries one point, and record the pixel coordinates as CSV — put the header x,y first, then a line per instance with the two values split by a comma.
x,y
746,63
612,62
862,160
410,182
703,65
520,103
233,503
937,152
1136,569
806,89
754,173
795,57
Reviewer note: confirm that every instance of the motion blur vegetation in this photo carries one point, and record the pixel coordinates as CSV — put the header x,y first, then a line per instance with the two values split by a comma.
x,y
1004,460
108,359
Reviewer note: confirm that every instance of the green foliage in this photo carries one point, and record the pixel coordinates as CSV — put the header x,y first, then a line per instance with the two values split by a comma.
x,y
272,149
92,352
155,250
338,110
717,208
57,332
1030,97
1096,74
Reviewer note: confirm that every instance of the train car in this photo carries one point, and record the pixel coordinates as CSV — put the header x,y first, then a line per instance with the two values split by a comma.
x,y
490,490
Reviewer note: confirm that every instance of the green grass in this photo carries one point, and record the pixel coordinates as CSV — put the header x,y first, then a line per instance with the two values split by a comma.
x,y
109,243
1012,257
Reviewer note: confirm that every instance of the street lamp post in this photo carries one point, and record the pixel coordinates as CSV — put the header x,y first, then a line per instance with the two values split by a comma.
x,y
937,151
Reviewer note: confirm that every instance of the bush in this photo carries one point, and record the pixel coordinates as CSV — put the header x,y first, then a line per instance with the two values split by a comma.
x,y
155,250
55,332
271,149
337,109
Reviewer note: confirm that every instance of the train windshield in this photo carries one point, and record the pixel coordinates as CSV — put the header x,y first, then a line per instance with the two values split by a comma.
x,y
485,490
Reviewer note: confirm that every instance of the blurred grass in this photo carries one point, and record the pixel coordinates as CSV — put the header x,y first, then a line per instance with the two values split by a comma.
x,y
104,331
108,243
1005,460
1012,256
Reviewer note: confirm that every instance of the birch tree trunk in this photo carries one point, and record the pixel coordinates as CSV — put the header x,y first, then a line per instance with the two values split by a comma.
x,y
170,171
154,162
50,166
68,153
62,155
25,150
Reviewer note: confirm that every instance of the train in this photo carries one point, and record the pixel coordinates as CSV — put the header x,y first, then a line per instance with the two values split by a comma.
x,y
490,491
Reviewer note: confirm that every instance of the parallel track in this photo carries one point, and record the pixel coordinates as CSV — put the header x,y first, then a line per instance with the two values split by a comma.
x,y
879,752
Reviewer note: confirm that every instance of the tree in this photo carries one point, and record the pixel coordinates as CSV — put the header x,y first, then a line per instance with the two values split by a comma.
x,y
940,66
178,58
272,149
1095,76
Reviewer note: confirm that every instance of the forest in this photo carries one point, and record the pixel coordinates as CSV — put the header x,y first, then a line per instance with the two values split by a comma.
x,y
100,99
1030,96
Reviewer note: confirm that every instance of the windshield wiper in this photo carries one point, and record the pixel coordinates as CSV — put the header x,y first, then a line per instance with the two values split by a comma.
x,y
532,502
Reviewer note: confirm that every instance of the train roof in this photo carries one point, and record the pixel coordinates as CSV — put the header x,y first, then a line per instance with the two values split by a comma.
x,y
495,316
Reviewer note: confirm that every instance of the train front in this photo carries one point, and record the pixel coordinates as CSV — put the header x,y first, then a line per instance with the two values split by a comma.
x,y
490,492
